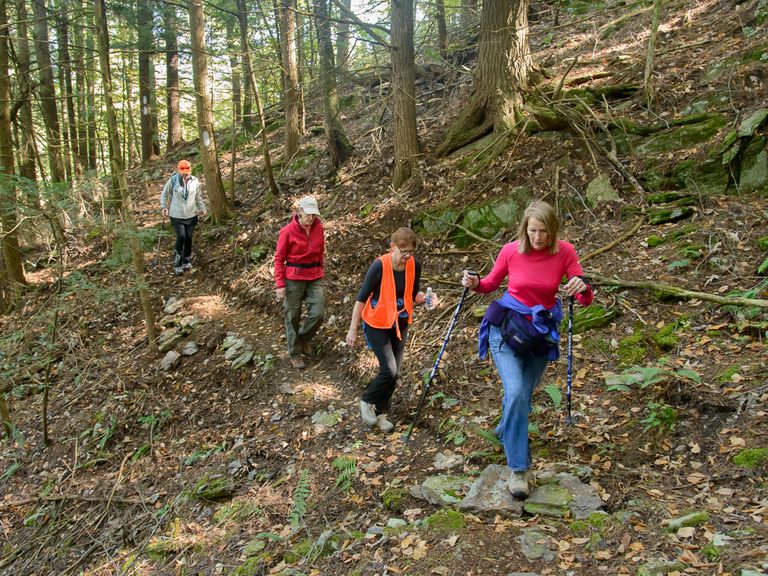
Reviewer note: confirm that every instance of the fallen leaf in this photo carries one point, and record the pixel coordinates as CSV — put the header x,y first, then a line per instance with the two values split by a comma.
x,y
686,532
452,540
696,478
736,441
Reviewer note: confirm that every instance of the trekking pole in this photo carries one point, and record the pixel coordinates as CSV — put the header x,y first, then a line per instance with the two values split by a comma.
x,y
159,238
569,419
433,373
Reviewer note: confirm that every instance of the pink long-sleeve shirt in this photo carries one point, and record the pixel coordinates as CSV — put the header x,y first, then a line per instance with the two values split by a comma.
x,y
534,278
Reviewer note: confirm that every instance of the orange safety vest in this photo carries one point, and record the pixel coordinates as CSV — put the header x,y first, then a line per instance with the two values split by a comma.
x,y
384,315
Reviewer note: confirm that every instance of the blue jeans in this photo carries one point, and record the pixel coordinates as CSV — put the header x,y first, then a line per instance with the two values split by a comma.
x,y
519,376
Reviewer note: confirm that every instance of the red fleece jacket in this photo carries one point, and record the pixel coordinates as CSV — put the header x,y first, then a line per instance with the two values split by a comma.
x,y
299,255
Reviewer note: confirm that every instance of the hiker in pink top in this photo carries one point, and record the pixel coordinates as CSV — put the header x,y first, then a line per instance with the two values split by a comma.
x,y
534,265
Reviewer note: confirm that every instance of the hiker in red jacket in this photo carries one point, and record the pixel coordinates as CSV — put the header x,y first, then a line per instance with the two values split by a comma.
x,y
299,278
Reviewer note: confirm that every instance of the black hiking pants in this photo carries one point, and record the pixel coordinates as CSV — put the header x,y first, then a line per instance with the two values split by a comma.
x,y
389,353
184,228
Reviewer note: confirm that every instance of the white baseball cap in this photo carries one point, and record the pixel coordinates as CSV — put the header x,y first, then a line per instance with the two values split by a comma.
x,y
309,205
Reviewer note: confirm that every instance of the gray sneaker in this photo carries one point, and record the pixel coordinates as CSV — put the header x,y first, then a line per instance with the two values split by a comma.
x,y
368,413
178,270
186,266
384,424
518,484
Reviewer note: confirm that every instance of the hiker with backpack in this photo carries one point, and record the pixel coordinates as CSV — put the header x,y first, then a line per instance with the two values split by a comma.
x,y
181,199
521,328
299,278
385,305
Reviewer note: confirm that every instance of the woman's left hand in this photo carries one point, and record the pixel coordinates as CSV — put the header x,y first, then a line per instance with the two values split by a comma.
x,y
574,286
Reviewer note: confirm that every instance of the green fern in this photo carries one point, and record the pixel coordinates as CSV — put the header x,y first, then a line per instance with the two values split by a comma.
x,y
488,435
300,495
347,467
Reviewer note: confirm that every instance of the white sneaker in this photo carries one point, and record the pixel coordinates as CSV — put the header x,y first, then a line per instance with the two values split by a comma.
x,y
384,424
518,485
368,413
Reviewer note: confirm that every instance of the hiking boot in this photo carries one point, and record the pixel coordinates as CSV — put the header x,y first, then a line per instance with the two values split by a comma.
x,y
306,348
298,363
384,424
368,413
178,270
518,485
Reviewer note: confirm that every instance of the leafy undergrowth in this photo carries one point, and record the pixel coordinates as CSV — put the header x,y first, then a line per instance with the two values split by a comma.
x,y
212,470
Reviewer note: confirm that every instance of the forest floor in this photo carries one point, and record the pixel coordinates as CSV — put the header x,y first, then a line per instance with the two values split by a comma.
x,y
117,489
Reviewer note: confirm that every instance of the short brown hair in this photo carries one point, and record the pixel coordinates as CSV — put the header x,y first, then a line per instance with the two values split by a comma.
x,y
544,213
404,237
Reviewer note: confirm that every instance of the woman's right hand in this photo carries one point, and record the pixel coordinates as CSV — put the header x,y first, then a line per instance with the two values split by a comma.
x,y
469,280
165,212
351,337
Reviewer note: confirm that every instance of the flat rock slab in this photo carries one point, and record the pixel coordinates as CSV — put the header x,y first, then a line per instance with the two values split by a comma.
x,y
489,495
169,361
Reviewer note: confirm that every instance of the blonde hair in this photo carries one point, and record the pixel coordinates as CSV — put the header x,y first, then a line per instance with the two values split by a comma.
x,y
544,213
404,237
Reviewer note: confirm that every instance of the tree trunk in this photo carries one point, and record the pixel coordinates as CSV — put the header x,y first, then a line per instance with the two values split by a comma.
x,y
274,190
208,151
234,70
28,150
154,107
503,65
404,92
338,144
173,99
442,28
66,71
118,169
248,87
301,65
90,79
47,91
648,87
145,48
81,151
14,268
291,96
342,40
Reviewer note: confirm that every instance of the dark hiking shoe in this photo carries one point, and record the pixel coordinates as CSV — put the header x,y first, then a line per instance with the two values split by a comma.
x,y
298,363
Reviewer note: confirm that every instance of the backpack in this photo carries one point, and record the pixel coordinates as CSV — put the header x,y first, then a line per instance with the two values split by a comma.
x,y
518,331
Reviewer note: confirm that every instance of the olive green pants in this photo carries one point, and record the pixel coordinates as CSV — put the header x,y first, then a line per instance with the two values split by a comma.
x,y
312,294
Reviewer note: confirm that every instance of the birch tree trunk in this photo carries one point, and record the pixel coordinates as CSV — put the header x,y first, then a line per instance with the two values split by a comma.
x,y
208,152
404,92
118,169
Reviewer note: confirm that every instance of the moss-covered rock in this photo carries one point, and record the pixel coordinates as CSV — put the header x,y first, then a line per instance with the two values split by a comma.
x,y
253,566
653,240
392,497
666,337
213,486
754,167
632,349
694,519
670,214
446,521
682,137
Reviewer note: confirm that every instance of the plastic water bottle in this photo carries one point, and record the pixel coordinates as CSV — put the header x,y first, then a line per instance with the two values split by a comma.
x,y
429,299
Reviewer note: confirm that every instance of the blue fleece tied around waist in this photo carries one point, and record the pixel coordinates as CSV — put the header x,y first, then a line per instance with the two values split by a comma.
x,y
545,320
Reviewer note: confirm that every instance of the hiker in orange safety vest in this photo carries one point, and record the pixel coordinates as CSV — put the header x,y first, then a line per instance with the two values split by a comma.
x,y
385,305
